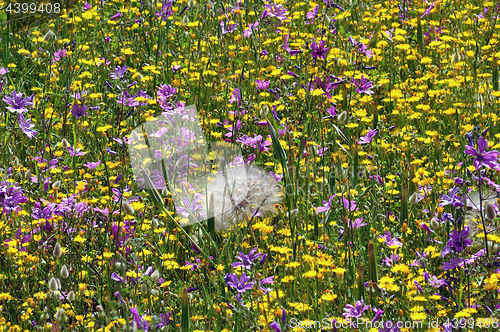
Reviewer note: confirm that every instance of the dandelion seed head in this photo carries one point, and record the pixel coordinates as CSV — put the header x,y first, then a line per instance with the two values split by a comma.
x,y
240,193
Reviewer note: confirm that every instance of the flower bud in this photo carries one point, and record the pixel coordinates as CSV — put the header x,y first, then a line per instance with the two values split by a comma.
x,y
127,208
154,292
135,136
342,117
15,161
57,250
164,192
120,266
48,35
490,211
64,144
435,223
264,111
27,175
56,184
71,296
181,162
294,213
59,314
64,272
413,198
53,284
144,289
155,276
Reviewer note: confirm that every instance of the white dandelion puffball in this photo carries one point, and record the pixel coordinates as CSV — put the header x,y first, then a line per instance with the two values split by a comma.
x,y
473,217
240,193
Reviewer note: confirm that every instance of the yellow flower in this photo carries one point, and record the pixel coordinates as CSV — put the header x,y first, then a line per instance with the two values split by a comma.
x,y
329,297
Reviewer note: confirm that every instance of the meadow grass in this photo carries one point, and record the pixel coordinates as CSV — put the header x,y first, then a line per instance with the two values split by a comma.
x,y
377,119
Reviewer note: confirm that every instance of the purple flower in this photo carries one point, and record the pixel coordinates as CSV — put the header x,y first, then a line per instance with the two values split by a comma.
x,y
116,277
458,241
275,326
18,104
229,27
312,15
58,55
92,165
164,320
357,223
251,27
78,152
116,16
326,205
319,51
3,71
26,126
137,318
489,159
247,260
268,280
241,285
275,10
363,86
119,72
451,198
389,240
428,10
349,205
453,263
78,110
355,311
368,137
11,195
262,85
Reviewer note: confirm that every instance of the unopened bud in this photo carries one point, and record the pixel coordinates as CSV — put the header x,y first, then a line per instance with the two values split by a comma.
x,y
59,314
342,117
57,250
181,162
120,266
53,284
154,223
264,111
64,272
294,213
154,292
144,289
413,198
64,144
155,276
135,136
127,208
490,211
15,161
48,35
56,184
164,191
71,296
27,175
435,223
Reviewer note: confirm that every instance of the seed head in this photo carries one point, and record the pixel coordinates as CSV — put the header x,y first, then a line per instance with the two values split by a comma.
x,y
57,250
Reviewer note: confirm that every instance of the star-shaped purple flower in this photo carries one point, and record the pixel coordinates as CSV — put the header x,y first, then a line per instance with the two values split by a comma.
x,y
319,51
363,86
26,126
368,137
488,159
16,102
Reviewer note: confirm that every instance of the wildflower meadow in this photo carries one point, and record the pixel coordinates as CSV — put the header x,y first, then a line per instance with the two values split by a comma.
x,y
247,165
